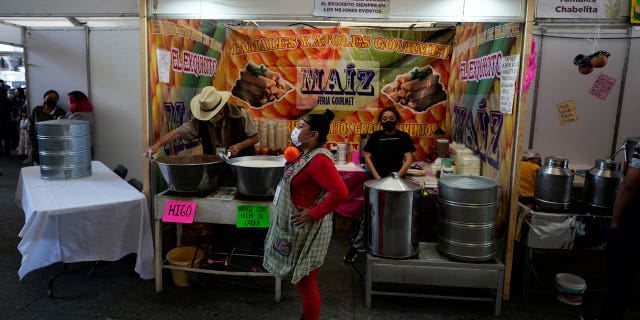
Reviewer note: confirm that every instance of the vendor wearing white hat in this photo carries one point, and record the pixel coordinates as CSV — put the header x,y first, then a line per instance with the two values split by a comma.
x,y
219,124
531,162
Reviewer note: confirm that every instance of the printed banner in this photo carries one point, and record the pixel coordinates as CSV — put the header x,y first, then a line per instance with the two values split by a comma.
x,y
635,11
577,9
281,75
184,56
475,100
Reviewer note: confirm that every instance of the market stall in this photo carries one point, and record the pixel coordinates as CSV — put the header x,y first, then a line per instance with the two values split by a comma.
x,y
463,79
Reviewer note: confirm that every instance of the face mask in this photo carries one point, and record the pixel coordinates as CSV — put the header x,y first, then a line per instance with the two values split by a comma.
x,y
389,125
10,95
51,103
294,137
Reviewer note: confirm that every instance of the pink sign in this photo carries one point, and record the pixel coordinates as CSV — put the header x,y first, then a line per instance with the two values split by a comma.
x,y
179,211
602,86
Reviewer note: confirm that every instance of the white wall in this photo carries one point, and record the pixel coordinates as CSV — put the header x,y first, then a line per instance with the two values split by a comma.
x,y
115,93
592,136
56,59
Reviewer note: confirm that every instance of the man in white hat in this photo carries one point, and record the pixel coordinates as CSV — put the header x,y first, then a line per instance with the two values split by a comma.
x,y
219,124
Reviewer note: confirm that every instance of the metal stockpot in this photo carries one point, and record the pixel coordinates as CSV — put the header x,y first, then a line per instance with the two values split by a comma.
x,y
601,184
468,205
64,149
554,182
390,217
192,173
254,179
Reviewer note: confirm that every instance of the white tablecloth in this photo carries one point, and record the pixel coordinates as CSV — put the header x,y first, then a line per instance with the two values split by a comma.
x,y
100,217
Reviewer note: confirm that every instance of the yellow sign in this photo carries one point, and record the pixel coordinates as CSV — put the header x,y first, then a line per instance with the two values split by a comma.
x,y
567,112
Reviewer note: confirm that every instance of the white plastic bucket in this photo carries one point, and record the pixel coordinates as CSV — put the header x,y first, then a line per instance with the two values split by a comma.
x,y
570,288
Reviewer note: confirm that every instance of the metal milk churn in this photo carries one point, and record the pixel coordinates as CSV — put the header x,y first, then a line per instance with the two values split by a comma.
x,y
390,216
601,184
554,182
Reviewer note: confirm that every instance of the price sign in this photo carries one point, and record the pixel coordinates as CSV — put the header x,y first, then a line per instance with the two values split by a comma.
x,y
253,216
179,211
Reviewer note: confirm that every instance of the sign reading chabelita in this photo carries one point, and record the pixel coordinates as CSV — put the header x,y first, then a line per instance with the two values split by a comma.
x,y
578,9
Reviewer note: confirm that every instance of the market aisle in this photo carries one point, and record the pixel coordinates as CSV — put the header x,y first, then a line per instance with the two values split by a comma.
x,y
111,294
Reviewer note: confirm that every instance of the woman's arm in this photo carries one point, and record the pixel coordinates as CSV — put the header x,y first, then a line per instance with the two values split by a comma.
x,y
406,164
368,159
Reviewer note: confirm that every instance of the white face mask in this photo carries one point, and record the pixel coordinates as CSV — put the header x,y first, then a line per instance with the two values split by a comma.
x,y
294,137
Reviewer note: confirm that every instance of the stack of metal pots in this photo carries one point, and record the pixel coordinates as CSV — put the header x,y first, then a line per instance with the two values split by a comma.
x,y
554,181
390,217
468,209
601,184
64,148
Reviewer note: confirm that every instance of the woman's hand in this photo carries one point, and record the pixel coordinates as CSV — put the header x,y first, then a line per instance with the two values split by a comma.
x,y
302,218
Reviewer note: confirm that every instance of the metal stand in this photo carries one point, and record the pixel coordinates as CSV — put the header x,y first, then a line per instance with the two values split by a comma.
x,y
208,211
433,269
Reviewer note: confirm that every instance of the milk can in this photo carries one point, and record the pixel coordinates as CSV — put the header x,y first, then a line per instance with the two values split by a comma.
x,y
390,217
554,182
601,184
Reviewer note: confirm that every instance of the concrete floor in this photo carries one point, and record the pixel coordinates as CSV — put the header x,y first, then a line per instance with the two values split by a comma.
x,y
110,293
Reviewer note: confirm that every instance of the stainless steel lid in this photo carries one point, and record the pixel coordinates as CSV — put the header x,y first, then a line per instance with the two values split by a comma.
x,y
556,162
468,182
607,164
392,183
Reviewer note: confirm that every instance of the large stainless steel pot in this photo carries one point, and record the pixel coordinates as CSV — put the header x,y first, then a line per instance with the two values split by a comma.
x,y
468,207
390,217
601,184
192,173
554,181
257,175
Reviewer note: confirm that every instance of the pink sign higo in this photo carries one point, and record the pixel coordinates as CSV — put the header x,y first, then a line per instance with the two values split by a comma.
x,y
179,211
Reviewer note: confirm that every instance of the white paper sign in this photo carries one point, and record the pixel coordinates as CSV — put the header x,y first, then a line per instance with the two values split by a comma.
x,y
508,76
164,64
352,8
592,9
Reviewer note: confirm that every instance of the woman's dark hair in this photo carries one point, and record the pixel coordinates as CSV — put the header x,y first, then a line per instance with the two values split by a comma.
x,y
78,101
50,91
389,108
320,123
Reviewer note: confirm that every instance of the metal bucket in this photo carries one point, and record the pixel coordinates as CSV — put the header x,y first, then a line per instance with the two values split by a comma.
x,y
554,182
64,149
468,209
390,217
601,184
